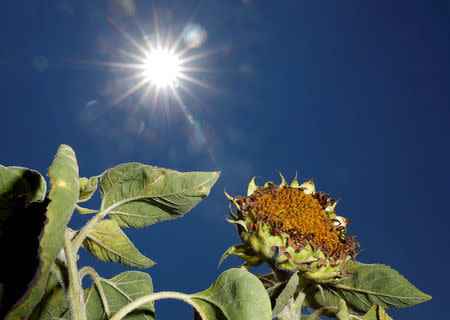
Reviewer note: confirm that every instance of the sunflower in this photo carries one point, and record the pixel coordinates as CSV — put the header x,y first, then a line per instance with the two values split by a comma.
x,y
292,228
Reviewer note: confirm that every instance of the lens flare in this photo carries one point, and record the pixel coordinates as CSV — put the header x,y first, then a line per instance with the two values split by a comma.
x,y
194,35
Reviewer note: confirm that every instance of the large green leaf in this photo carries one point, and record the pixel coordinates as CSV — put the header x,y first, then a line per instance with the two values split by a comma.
x,y
22,217
53,303
63,194
16,183
368,284
19,247
119,291
107,242
238,294
139,195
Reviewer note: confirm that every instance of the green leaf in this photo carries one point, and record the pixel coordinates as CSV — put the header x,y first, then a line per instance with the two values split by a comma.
x,y
238,294
139,195
63,194
286,297
368,284
18,182
53,303
119,291
87,188
107,242
375,313
19,247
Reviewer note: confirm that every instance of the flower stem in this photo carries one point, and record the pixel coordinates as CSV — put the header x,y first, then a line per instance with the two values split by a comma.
x,y
299,302
84,232
158,296
74,291
96,279
87,228
321,311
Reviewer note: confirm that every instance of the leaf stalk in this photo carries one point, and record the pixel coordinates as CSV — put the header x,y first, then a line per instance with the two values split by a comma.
x,y
96,279
75,292
157,296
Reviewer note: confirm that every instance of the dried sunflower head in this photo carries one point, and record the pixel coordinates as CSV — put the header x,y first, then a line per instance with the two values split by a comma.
x,y
291,227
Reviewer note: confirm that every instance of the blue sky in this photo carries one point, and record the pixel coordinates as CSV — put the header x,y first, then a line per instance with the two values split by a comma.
x,y
354,94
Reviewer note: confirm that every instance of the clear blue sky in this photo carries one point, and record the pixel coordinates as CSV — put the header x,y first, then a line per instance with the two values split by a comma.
x,y
354,94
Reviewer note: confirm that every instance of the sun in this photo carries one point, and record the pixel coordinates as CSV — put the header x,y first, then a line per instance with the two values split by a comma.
x,y
156,74
162,68
159,65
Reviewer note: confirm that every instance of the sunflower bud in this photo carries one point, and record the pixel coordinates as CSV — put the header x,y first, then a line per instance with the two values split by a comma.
x,y
292,228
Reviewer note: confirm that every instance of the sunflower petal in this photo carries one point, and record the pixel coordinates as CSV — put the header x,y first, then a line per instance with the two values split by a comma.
x,y
342,221
268,183
232,200
283,180
308,187
228,196
252,187
330,208
294,183
239,222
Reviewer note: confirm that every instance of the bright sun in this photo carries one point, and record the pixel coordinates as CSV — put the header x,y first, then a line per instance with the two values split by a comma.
x,y
162,67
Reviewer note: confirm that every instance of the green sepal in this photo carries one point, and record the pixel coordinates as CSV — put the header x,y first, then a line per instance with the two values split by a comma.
x,y
244,252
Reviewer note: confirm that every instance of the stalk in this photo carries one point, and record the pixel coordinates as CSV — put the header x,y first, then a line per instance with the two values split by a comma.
x,y
157,296
74,291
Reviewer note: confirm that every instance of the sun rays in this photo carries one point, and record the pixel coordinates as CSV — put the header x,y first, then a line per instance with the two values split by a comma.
x,y
156,77
160,67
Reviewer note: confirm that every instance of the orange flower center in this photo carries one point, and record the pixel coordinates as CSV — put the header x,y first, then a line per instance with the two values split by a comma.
x,y
298,214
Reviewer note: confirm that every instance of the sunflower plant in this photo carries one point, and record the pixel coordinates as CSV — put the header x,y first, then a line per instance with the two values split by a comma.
x,y
40,277
292,228
298,233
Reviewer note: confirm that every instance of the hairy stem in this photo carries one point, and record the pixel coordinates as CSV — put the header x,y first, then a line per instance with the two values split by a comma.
x,y
87,228
157,296
281,275
84,232
321,311
96,279
74,290
299,302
